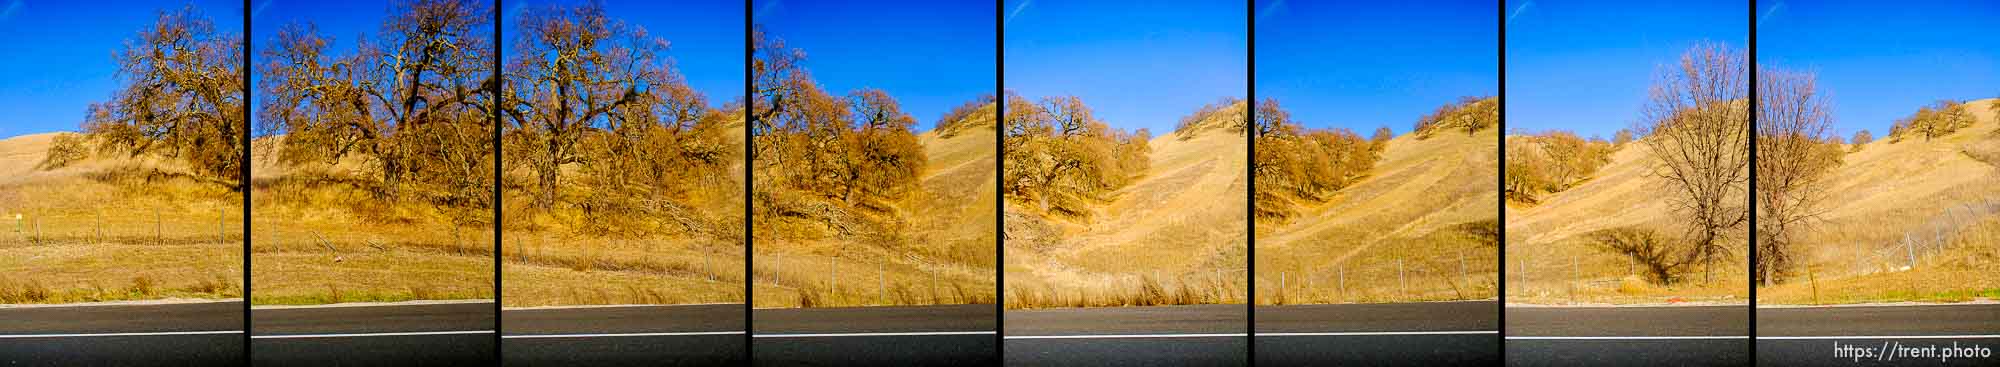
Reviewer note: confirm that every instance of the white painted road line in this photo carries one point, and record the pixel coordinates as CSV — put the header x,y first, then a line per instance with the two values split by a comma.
x,y
919,333
1387,333
1994,336
1691,338
159,333
551,336
1131,336
414,333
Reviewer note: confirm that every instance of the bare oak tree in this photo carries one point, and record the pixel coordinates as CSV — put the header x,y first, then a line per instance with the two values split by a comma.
x,y
413,101
1794,162
575,71
1061,157
1698,128
1295,165
181,98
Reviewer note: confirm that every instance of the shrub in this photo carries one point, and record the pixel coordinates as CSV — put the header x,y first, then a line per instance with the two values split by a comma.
x,y
64,150
1468,114
1663,260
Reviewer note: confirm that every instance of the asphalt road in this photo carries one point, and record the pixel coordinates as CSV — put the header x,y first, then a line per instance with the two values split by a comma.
x,y
205,334
951,335
665,335
374,335
1427,333
1628,336
1809,336
1195,335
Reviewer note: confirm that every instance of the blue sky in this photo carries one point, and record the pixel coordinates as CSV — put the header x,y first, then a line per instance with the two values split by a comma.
x,y
1585,66
1138,65
1366,64
58,55
1877,62
929,55
705,38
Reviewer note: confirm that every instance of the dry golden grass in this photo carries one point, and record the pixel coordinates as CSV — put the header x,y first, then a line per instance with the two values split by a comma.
x,y
1550,260
318,236
1917,188
545,269
567,256
940,250
1392,236
1175,236
112,229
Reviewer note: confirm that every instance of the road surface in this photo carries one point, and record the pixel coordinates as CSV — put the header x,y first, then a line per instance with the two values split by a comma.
x,y
950,335
205,334
441,334
1824,336
1194,335
1628,336
649,335
1426,333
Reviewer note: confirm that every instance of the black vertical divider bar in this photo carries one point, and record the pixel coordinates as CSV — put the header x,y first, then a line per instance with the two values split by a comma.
x,y
243,183
999,180
1751,193
749,181
498,296
1500,182
1250,194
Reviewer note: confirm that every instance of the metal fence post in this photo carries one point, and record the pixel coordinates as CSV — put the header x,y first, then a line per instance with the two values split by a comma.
x,y
1281,285
1402,282
1461,268
1909,247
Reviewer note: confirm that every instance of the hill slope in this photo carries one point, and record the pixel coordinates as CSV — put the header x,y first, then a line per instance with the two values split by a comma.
x,y
1174,236
939,251
1942,194
111,228
1550,261
1410,209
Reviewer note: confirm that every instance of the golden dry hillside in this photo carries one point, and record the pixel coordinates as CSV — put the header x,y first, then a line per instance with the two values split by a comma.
x,y
937,247
1174,236
112,228
1914,220
1550,259
1403,233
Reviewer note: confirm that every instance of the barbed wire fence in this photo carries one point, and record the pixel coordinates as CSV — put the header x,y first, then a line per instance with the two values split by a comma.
x,y
1459,275
151,225
1920,246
